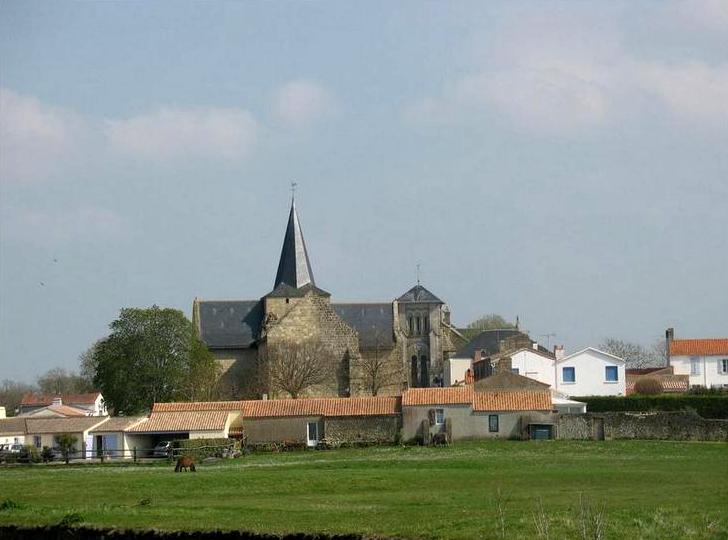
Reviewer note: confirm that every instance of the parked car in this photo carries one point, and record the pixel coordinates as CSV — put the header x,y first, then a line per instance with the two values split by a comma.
x,y
15,448
163,449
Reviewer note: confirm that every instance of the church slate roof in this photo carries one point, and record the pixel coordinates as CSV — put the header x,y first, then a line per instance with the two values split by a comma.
x,y
419,294
283,290
294,268
230,324
373,322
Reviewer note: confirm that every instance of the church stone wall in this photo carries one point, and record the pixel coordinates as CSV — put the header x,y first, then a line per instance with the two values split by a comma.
x,y
313,319
238,373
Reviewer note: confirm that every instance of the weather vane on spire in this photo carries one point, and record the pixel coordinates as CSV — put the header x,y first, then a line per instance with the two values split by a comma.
x,y
418,273
293,190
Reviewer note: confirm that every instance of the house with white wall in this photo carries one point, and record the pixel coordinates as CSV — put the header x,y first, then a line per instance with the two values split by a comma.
x,y
91,402
535,364
705,361
590,372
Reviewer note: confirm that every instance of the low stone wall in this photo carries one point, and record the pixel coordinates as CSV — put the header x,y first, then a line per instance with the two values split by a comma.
x,y
677,426
346,430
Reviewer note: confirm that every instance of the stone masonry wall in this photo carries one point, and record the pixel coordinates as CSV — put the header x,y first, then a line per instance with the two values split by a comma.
x,y
312,318
348,430
650,425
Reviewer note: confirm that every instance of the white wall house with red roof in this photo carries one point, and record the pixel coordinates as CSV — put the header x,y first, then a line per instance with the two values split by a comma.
x,y
705,361
91,402
591,372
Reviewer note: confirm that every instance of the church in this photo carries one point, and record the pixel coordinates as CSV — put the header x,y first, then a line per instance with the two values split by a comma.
x,y
377,348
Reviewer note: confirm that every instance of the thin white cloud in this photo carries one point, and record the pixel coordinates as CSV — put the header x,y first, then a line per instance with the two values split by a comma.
x,y
546,76
300,103
185,133
84,223
696,92
36,140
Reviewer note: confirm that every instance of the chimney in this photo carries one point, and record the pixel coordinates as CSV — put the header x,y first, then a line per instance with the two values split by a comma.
x,y
469,377
559,351
669,336
477,355
2,412
535,346
57,401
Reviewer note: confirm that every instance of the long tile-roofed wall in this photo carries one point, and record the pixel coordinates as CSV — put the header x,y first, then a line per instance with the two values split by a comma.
x,y
453,395
182,421
506,401
354,406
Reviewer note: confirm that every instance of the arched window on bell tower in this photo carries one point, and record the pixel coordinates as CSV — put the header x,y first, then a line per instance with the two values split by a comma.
x,y
413,367
424,375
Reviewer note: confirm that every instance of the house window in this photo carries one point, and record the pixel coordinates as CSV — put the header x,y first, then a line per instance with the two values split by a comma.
x,y
417,325
426,323
611,374
37,441
695,366
568,374
515,370
439,416
723,366
493,423
409,323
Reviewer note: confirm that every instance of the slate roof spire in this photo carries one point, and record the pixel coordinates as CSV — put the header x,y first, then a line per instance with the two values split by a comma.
x,y
294,268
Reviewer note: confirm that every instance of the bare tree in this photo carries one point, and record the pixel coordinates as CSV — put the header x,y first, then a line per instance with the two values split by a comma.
x,y
296,367
11,394
634,354
60,381
375,368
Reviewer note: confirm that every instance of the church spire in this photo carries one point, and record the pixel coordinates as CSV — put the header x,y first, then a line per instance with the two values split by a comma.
x,y
294,268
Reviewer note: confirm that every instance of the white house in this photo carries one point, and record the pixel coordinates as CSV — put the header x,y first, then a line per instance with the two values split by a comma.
x,y
590,372
534,364
454,370
91,402
705,361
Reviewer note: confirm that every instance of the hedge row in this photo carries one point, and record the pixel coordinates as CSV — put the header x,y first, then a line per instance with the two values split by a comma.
x,y
707,406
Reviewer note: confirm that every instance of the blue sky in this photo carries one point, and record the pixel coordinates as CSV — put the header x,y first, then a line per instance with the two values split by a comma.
x,y
564,163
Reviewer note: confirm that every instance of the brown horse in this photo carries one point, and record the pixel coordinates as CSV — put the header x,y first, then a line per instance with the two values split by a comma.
x,y
186,463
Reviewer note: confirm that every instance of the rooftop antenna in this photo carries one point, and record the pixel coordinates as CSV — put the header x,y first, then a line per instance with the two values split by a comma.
x,y
548,339
293,191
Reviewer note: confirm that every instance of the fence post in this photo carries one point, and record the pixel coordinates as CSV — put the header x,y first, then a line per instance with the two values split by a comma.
x,y
135,454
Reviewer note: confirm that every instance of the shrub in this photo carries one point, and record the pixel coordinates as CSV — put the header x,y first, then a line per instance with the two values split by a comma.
x,y
47,454
648,386
707,406
70,519
10,504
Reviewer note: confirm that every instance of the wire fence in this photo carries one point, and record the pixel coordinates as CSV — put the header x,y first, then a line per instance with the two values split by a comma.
x,y
31,454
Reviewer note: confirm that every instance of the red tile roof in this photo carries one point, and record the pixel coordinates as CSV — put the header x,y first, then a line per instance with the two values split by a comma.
x,y
176,422
31,399
512,401
198,406
452,395
699,347
670,383
354,406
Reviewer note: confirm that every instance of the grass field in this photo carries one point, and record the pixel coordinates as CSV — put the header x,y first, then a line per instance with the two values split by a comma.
x,y
471,490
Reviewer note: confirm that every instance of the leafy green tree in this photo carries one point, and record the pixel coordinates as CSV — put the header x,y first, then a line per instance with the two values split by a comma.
x,y
491,321
67,443
152,355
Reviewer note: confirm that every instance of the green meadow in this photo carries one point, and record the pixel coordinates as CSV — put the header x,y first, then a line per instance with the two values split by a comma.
x,y
496,489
